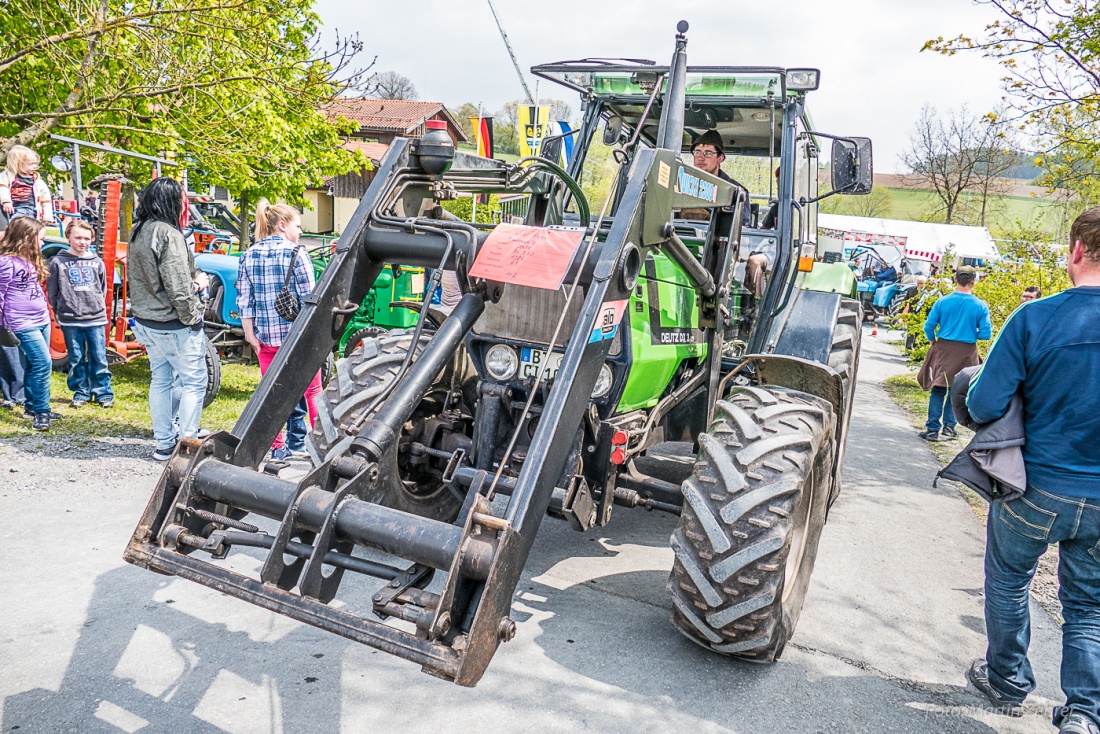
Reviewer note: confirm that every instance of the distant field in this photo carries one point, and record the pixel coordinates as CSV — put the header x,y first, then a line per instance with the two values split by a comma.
x,y
1005,211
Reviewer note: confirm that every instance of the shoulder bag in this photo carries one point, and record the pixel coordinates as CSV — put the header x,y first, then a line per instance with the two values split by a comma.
x,y
287,303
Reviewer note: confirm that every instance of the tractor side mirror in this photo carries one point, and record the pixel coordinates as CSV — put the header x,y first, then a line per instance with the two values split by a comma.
x,y
852,166
612,130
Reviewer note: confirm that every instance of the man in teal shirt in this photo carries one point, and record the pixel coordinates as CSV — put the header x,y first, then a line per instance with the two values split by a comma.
x,y
954,325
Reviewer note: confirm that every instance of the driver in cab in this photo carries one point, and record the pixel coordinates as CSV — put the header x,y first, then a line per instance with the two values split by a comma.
x,y
708,155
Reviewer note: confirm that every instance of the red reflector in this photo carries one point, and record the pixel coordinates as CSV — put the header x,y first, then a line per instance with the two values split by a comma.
x,y
618,456
436,124
619,438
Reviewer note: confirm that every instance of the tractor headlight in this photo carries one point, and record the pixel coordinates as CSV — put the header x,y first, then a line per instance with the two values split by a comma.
x,y
603,382
501,361
803,80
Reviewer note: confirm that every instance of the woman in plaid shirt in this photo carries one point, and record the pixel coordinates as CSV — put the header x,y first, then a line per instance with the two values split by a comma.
x,y
260,276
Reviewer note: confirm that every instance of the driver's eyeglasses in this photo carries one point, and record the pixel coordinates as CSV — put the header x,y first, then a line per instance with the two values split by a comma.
x,y
704,153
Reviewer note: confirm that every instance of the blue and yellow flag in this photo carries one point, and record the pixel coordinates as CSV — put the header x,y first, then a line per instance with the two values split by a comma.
x,y
532,128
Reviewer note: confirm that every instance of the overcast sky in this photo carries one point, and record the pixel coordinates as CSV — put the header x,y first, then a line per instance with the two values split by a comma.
x,y
874,80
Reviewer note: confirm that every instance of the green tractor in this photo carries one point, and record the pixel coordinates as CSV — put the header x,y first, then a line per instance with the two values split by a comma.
x,y
392,303
592,350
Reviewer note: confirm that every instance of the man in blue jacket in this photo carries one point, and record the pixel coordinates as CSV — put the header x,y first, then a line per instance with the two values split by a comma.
x,y
953,327
1048,352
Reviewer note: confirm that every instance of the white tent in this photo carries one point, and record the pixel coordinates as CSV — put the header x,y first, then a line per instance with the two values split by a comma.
x,y
920,239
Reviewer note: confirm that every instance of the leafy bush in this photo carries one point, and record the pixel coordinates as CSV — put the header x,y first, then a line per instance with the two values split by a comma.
x,y
464,209
912,322
1026,262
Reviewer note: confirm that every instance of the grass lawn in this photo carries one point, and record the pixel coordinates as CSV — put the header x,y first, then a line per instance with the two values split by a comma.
x,y
130,416
913,204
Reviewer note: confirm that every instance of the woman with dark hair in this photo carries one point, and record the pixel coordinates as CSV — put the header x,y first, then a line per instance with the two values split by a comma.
x,y
164,285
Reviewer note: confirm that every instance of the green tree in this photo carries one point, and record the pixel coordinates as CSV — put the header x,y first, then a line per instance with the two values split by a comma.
x,y
234,89
1027,261
1050,55
463,114
878,203
505,132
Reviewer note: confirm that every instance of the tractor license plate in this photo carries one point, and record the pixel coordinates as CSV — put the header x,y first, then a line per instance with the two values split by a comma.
x,y
531,359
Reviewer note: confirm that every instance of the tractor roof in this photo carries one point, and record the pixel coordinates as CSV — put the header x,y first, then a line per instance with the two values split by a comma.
x,y
636,77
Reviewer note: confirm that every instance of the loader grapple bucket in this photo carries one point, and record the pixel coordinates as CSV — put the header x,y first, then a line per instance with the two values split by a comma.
x,y
327,525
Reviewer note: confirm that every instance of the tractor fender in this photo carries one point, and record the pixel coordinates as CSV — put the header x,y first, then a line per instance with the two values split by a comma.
x,y
800,374
833,381
806,329
816,379
224,267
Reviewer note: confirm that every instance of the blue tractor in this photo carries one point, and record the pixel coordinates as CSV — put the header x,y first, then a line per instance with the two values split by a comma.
x,y
878,272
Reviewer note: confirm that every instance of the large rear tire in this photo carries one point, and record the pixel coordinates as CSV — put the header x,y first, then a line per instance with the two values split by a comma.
x,y
844,358
356,381
753,511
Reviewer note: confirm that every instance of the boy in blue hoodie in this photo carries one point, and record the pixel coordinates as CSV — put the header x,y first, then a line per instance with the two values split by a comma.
x,y
76,288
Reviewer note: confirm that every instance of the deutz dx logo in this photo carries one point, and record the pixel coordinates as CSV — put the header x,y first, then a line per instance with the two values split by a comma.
x,y
697,187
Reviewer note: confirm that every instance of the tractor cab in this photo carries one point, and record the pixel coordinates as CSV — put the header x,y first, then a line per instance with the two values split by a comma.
x,y
768,149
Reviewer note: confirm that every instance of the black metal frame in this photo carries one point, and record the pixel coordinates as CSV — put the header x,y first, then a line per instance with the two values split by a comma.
x,y
209,487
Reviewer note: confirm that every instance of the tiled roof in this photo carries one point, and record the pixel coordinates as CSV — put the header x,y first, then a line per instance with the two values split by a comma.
x,y
374,151
390,115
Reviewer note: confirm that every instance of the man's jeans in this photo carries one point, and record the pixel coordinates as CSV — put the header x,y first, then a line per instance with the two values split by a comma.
x,y
296,427
939,405
89,377
34,355
1017,534
11,374
177,357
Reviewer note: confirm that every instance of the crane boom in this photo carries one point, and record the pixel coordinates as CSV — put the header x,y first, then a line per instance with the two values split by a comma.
x,y
512,54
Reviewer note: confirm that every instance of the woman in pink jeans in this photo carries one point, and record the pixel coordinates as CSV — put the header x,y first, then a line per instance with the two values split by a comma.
x,y
260,276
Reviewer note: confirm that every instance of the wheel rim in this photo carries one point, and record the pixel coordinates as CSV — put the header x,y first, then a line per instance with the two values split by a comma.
x,y
800,533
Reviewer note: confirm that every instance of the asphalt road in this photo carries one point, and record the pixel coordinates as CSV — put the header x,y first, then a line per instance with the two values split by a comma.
x,y
893,617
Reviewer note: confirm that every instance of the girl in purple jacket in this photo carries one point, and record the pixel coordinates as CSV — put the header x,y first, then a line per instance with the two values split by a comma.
x,y
23,310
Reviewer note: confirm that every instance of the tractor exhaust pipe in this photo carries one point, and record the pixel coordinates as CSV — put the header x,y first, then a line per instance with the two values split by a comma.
x,y
670,134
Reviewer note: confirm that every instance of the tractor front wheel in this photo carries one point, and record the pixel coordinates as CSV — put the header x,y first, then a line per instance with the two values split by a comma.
x,y
752,516
408,483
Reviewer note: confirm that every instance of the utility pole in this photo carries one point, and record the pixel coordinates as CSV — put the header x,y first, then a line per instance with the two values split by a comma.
x,y
511,53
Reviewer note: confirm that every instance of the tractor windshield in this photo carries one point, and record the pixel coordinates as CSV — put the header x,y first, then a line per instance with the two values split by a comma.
x,y
744,105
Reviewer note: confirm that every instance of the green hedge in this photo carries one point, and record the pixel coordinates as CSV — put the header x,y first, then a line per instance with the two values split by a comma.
x,y
999,285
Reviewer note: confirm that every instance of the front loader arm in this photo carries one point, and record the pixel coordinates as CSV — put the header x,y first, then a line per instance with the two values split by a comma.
x,y
209,498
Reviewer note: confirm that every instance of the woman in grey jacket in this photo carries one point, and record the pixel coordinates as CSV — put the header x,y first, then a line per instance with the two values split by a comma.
x,y
163,284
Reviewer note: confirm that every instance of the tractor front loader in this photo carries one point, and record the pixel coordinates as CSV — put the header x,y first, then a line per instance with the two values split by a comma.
x,y
583,347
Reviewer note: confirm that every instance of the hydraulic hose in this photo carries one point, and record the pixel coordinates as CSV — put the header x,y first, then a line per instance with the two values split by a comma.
x,y
574,188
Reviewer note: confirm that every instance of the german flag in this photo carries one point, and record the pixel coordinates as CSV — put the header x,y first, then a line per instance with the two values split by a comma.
x,y
483,135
